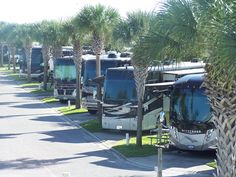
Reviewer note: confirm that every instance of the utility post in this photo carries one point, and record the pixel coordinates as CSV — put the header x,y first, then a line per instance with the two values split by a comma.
x,y
159,146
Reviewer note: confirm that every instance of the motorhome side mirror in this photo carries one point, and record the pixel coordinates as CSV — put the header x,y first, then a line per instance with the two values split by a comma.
x,y
90,81
162,116
170,89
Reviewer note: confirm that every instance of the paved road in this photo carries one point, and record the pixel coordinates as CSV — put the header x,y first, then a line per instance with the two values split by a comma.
x,y
35,141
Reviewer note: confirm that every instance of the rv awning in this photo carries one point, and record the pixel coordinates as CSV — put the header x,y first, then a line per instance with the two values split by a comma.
x,y
185,71
162,84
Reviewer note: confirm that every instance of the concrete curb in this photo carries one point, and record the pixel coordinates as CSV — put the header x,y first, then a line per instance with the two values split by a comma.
x,y
107,147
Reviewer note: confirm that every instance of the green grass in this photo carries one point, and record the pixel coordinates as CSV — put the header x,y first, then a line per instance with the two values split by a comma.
x,y
4,69
92,126
50,100
132,150
31,84
212,164
72,110
15,76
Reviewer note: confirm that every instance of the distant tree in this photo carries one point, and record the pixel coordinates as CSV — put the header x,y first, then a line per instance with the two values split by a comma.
x,y
26,35
77,37
99,21
131,31
2,40
45,34
128,31
60,38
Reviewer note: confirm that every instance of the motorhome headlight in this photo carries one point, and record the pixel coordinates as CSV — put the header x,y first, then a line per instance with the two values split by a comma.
x,y
74,93
55,93
94,94
209,134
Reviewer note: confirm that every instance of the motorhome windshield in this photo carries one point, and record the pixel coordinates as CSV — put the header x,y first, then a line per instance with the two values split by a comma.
x,y
90,68
119,87
65,70
190,105
36,56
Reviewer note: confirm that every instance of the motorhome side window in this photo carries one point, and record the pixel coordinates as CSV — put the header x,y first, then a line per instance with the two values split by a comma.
x,y
153,77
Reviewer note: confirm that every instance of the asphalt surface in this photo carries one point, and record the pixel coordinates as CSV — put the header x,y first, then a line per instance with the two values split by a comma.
x,y
37,141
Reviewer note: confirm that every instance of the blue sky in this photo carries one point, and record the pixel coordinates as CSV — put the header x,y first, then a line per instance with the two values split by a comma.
x,y
27,11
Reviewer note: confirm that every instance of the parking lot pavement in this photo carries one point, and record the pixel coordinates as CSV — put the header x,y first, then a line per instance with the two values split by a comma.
x,y
181,164
175,163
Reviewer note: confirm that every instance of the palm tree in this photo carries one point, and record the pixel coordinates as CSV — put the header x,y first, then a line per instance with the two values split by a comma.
x,y
9,33
60,38
130,32
221,81
2,41
141,63
100,21
6,31
14,42
130,29
77,35
1,60
190,26
25,33
46,33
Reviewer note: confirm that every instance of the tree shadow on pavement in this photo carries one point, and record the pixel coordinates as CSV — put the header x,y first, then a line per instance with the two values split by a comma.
x,y
7,103
74,135
27,163
109,159
8,135
30,106
19,115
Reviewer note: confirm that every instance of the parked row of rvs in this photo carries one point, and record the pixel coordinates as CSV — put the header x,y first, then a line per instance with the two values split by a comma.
x,y
170,87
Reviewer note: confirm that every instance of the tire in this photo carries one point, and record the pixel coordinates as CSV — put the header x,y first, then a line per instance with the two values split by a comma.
x,y
92,111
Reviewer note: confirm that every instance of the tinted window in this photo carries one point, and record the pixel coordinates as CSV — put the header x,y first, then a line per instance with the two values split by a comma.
x,y
112,55
190,105
120,86
36,56
89,69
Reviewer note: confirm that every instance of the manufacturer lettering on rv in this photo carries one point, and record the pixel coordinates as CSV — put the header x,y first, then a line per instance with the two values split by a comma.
x,y
191,131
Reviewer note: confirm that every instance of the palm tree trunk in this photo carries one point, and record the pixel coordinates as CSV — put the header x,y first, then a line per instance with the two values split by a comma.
x,y
12,53
57,51
223,103
28,51
9,60
46,57
1,60
78,62
97,47
139,123
140,75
